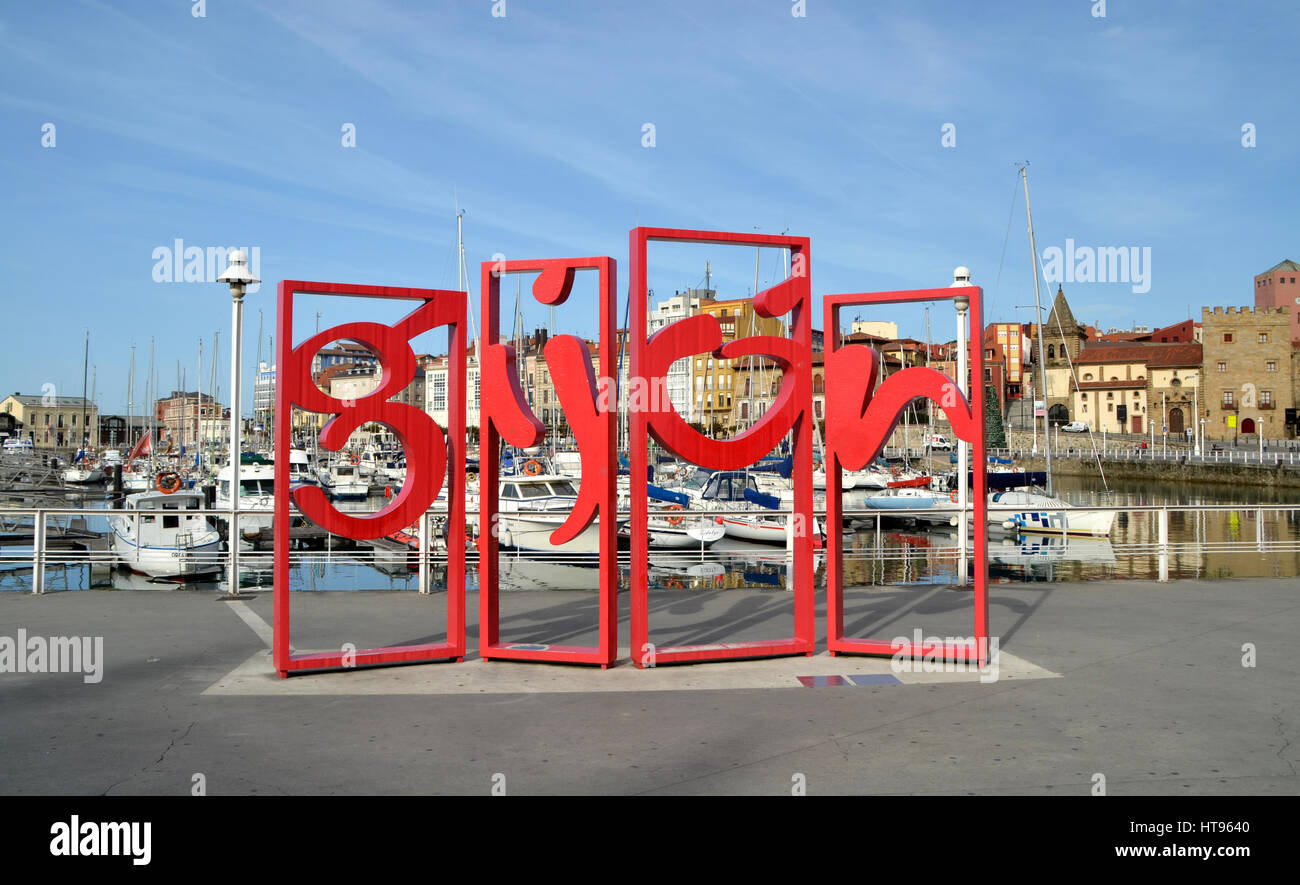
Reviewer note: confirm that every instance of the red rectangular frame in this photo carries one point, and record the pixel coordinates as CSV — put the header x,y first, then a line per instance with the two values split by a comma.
x,y
804,639
453,648
836,641
600,470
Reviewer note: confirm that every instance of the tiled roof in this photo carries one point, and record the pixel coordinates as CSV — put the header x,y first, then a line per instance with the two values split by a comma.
x,y
1283,265
1155,355
59,401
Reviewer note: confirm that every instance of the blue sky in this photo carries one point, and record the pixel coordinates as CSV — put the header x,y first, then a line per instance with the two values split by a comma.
x,y
226,130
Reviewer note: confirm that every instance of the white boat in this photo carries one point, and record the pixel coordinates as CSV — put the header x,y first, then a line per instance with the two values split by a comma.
x,y
736,490
84,470
137,478
83,475
936,507
532,507
256,496
1037,513
301,471
157,535
343,480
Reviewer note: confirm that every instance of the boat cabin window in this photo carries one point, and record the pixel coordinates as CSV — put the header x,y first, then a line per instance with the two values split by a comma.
x,y
563,489
508,491
534,490
171,521
148,519
697,480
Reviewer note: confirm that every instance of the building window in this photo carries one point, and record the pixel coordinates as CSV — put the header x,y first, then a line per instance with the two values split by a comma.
x,y
1270,366
1110,407
1227,337
1263,338
1051,351
1221,366
1087,377
1227,398
440,393
1266,397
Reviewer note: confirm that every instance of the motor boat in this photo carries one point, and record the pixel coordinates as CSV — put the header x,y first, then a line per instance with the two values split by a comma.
x,y
158,534
256,496
532,507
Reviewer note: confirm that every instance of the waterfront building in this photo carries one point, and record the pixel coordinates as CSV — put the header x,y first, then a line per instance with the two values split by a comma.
x,y
187,416
1252,373
712,380
1277,287
264,396
1126,386
875,328
53,422
1063,338
344,353
435,385
1012,355
667,312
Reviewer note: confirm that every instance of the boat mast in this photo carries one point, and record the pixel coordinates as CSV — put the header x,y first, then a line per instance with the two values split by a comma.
x,y
85,370
130,398
150,387
1038,321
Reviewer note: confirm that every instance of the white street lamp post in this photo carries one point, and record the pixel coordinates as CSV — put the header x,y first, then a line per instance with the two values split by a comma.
x,y
961,278
239,277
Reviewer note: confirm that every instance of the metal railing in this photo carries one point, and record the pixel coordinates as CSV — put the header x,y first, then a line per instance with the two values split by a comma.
x,y
1287,457
42,520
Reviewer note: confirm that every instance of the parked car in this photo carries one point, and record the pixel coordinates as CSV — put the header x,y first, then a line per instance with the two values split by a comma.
x,y
1075,427
938,441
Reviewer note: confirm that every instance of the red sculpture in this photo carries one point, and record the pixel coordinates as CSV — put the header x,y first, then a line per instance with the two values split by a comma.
x,y
505,414
428,451
792,411
859,420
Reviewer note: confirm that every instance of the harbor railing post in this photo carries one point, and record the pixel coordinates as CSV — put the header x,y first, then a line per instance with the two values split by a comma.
x,y
38,552
1162,522
424,551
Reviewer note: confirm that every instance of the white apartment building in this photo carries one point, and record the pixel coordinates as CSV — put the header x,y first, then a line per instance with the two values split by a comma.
x,y
670,310
435,385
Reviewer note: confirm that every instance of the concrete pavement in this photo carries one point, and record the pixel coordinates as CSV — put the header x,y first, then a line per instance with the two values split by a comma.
x,y
1139,681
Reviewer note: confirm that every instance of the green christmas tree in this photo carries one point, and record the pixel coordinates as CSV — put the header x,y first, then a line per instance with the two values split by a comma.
x,y
995,436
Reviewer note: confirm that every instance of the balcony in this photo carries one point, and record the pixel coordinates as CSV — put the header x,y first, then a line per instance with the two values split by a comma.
x,y
1228,407
1268,405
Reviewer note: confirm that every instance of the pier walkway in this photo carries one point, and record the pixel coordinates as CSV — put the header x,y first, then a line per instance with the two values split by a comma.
x,y
1142,682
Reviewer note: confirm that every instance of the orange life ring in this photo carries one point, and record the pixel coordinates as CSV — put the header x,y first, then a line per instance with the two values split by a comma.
x,y
675,520
167,483
953,497
532,467
471,476
356,459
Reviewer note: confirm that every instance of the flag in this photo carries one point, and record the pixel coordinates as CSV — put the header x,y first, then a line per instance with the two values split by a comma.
x,y
81,454
143,447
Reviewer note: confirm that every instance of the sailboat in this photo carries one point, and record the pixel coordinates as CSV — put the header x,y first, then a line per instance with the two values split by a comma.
x,y
1038,512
